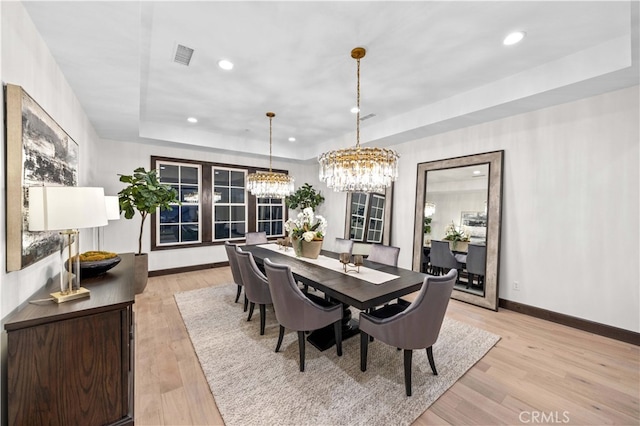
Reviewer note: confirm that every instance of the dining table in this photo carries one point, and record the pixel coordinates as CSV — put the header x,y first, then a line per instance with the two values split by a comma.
x,y
365,287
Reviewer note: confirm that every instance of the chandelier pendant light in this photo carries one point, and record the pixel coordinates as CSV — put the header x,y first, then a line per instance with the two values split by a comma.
x,y
270,184
359,169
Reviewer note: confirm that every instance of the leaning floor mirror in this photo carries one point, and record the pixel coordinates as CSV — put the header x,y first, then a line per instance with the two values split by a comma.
x,y
458,217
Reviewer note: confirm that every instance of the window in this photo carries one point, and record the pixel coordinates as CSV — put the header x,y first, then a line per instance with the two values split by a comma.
x,y
270,217
358,214
230,208
215,205
367,217
181,224
376,218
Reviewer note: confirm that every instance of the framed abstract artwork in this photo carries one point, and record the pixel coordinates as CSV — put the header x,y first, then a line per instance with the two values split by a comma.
x,y
39,152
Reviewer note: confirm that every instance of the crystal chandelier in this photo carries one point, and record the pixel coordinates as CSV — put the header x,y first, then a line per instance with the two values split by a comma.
x,y
270,184
359,169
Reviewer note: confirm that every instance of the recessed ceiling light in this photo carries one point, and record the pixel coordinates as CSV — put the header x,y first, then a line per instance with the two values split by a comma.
x,y
192,120
292,139
225,64
476,172
354,110
513,38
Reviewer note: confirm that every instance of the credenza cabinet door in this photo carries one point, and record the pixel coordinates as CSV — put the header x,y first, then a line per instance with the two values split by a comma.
x,y
71,372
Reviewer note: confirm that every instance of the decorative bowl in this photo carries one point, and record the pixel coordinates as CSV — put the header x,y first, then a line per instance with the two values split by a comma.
x,y
97,267
93,268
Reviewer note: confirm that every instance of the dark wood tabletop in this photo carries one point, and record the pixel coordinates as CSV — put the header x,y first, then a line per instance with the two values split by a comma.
x,y
109,291
347,288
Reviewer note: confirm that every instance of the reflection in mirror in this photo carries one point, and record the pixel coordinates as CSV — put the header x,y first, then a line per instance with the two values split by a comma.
x,y
458,218
368,218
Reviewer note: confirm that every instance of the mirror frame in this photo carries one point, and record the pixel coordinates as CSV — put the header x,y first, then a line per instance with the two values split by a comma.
x,y
388,209
495,160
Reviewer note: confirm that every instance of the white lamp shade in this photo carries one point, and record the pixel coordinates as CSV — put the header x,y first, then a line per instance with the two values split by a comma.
x,y
113,207
55,208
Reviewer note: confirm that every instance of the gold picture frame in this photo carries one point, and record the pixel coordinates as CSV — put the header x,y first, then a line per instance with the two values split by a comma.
x,y
39,152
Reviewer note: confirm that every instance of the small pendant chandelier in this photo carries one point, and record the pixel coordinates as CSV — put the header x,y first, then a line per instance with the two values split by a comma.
x,y
270,184
359,169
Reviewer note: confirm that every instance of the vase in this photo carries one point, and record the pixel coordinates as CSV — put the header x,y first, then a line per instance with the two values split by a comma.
x,y
140,272
308,249
462,246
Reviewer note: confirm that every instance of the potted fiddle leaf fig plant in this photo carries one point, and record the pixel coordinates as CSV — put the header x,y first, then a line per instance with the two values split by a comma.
x,y
144,194
304,197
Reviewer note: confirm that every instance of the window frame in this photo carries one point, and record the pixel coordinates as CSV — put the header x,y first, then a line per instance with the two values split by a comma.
x,y
271,220
230,204
206,203
158,224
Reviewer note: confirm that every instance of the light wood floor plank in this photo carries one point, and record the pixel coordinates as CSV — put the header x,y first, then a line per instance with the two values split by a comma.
x,y
538,368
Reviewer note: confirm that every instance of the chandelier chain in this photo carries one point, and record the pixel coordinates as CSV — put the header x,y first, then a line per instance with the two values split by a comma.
x,y
270,143
358,107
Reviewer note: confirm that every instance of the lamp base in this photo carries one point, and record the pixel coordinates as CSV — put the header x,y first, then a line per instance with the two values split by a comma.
x,y
58,297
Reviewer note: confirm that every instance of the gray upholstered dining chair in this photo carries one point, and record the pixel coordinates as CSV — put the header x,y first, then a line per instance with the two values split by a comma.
x,y
343,245
296,311
235,270
416,326
256,286
442,259
476,263
387,255
253,238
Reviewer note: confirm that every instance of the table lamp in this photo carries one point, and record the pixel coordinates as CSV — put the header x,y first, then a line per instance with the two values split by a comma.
x,y
67,209
112,205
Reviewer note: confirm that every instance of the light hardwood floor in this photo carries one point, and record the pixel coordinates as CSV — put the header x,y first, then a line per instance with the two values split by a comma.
x,y
539,372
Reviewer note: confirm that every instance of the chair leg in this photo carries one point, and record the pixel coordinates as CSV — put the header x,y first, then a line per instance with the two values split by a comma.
x,y
251,308
337,328
408,353
431,362
263,318
301,339
469,279
280,336
364,345
246,303
238,293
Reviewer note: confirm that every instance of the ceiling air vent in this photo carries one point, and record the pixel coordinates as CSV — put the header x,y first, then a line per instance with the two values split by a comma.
x,y
366,117
183,55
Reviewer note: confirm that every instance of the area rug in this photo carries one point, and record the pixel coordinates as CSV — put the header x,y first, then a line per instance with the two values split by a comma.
x,y
253,385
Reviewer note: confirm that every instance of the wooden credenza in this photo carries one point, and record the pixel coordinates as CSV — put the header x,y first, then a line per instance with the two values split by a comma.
x,y
72,363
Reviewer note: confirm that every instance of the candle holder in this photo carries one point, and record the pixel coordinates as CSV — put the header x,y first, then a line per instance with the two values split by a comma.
x,y
345,259
283,243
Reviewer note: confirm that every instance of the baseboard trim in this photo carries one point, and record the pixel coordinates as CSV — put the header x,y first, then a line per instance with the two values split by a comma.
x,y
579,323
160,272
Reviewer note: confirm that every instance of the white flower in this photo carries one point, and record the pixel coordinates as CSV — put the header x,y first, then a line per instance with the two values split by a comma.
x,y
308,236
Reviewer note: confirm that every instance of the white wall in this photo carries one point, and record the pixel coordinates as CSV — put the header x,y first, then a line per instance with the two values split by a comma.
x,y
27,62
570,204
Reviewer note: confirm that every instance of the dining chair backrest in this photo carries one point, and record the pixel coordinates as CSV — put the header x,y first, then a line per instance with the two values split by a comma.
x,y
256,286
343,246
441,255
476,259
387,255
418,326
233,262
253,238
293,309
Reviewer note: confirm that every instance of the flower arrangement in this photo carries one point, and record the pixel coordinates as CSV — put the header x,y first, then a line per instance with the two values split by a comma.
x,y
454,234
307,226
